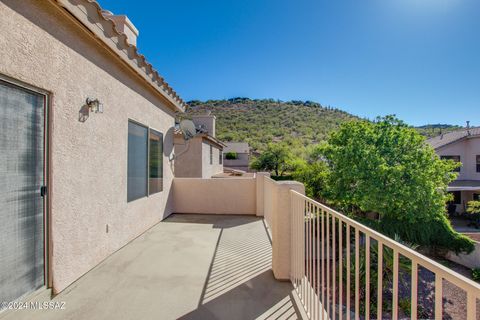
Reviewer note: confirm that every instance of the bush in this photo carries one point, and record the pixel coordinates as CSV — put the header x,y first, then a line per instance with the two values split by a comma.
x,y
282,178
476,274
437,235
231,156
473,207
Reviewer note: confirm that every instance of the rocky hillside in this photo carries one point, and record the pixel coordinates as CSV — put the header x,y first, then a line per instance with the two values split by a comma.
x,y
259,122
298,123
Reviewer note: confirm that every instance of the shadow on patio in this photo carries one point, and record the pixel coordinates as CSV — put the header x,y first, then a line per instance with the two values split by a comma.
x,y
186,267
240,283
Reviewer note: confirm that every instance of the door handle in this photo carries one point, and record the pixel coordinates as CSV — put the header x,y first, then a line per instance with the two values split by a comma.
x,y
43,191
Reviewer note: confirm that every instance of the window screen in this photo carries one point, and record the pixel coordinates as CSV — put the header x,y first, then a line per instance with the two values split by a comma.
x,y
155,162
478,162
137,161
220,156
211,154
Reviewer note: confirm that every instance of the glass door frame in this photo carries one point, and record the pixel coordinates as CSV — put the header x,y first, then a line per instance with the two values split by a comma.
x,y
47,98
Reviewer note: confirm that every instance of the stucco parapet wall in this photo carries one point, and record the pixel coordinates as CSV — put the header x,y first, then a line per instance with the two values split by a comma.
x,y
89,13
215,196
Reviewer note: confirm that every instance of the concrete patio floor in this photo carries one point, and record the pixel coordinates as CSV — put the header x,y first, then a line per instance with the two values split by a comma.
x,y
186,267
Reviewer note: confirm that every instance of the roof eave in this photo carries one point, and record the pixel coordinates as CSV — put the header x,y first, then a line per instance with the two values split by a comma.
x,y
104,29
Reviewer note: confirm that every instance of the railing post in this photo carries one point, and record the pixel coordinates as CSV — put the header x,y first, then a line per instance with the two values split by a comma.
x,y
260,191
281,228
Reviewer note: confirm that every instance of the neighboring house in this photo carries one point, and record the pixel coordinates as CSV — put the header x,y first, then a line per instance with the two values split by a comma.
x,y
86,135
201,156
462,146
236,155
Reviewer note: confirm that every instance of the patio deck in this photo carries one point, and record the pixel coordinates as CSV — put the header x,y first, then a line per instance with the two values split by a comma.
x,y
186,267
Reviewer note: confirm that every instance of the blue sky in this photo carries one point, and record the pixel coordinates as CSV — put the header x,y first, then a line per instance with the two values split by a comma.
x,y
418,59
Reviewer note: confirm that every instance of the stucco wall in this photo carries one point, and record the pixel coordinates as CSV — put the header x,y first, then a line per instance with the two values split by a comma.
x,y
188,157
42,47
215,196
471,260
243,160
194,161
208,170
467,150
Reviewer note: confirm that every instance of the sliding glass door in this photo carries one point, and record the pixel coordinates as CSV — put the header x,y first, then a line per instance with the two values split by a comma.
x,y
22,115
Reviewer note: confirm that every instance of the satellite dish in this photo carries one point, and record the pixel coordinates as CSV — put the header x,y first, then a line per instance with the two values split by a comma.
x,y
188,129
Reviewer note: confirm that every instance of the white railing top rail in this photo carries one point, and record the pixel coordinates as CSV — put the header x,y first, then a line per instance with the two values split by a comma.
x,y
446,273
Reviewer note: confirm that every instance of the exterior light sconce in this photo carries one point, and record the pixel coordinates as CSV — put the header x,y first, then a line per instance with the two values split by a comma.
x,y
94,105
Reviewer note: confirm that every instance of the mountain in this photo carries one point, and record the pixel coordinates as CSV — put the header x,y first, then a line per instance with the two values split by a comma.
x,y
298,123
433,130
260,121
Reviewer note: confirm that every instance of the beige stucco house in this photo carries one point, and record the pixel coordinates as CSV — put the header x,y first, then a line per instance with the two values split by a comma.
x,y
241,152
462,146
89,169
201,156
86,137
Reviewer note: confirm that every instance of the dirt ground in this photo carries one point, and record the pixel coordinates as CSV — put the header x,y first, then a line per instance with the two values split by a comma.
x,y
454,298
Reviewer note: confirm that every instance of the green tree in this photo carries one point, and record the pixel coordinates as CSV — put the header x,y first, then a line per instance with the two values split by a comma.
x,y
313,172
276,158
385,167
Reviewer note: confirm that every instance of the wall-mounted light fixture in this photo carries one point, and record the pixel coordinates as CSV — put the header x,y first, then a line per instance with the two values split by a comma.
x,y
95,105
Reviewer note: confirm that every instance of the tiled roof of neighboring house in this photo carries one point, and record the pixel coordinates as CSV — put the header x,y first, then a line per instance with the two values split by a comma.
x,y
89,13
454,136
238,147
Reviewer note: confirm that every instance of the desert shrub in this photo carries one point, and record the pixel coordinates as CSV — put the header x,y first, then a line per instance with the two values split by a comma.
x,y
473,207
476,274
231,156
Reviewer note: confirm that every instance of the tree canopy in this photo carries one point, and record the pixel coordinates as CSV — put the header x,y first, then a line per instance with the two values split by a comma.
x,y
385,167
275,158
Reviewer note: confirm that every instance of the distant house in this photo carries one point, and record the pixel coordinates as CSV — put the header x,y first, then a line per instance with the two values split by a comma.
x,y
202,156
462,146
236,155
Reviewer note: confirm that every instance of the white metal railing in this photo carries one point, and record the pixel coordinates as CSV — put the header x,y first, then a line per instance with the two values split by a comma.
x,y
365,277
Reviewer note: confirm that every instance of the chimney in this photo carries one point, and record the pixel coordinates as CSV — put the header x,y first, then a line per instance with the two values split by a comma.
x,y
123,25
468,127
207,121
